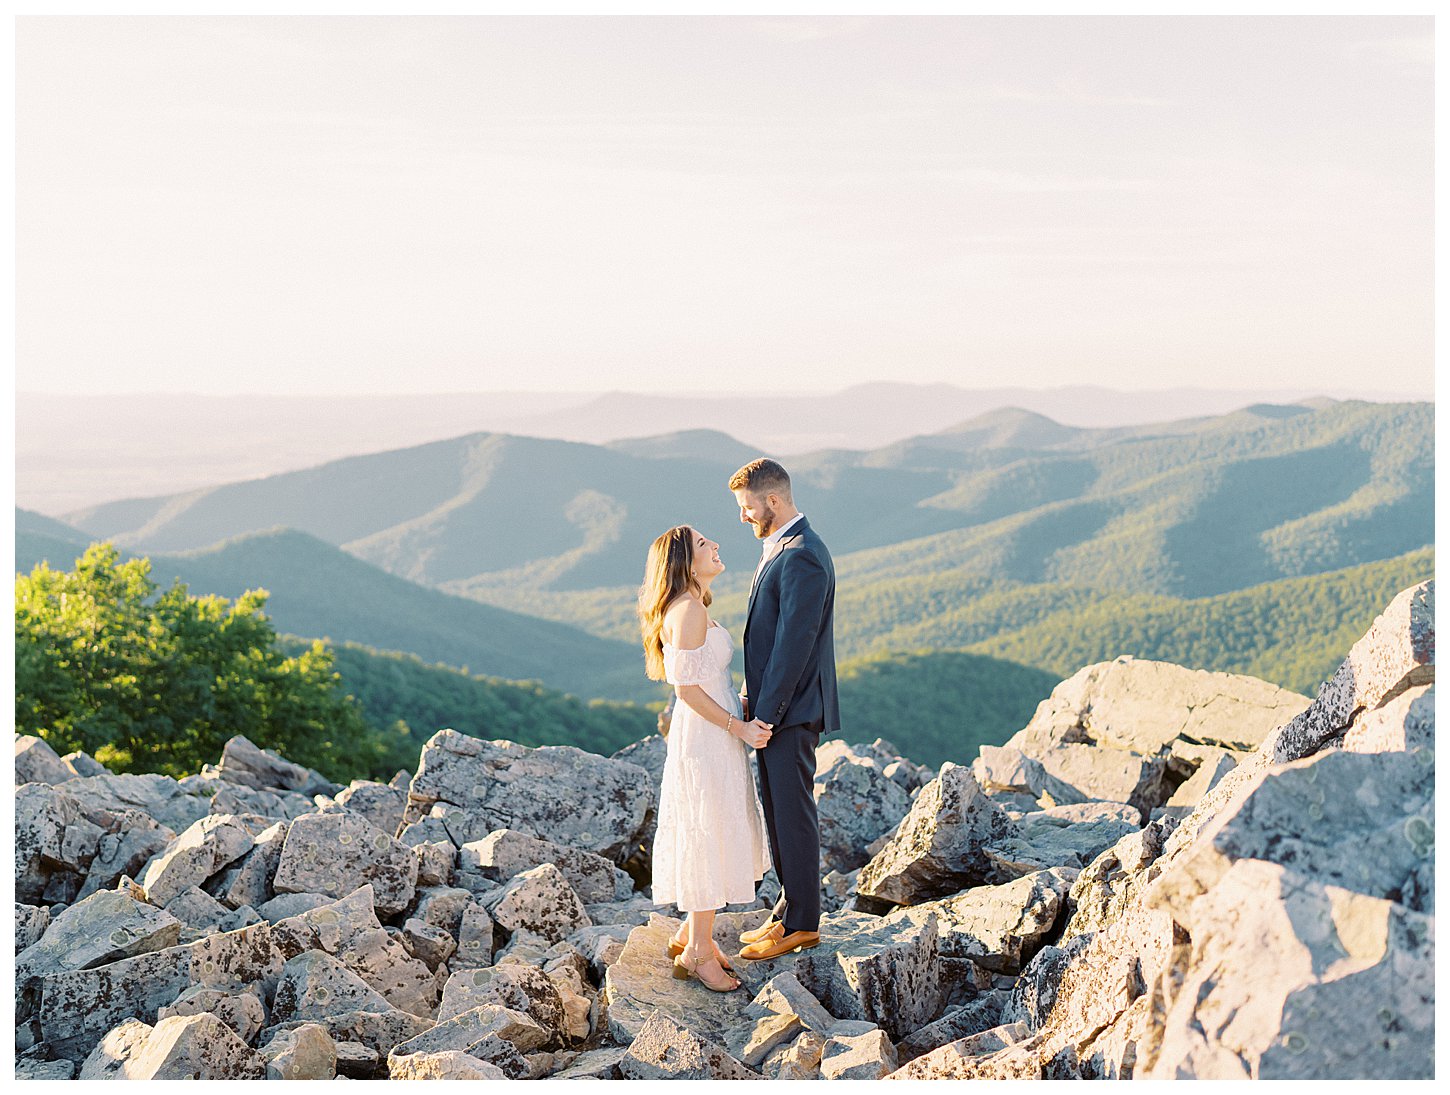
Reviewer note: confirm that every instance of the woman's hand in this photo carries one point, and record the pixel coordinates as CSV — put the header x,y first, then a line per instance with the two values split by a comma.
x,y
754,733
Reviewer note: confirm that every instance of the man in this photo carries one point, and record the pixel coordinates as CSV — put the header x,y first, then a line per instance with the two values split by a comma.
x,y
790,686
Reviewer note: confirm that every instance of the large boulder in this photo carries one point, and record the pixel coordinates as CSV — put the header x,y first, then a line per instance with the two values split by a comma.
x,y
665,1050
856,802
181,1047
202,850
306,1052
505,853
244,763
248,881
558,793
1071,836
997,927
55,844
540,901
513,986
380,803
78,1007
37,762
939,846
336,853
158,797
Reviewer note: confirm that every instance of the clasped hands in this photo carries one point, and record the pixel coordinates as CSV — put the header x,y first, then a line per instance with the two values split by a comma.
x,y
753,733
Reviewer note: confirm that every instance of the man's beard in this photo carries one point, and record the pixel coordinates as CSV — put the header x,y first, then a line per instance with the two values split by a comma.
x,y
765,523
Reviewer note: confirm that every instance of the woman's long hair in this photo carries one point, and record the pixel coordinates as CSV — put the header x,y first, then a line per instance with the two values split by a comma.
x,y
666,577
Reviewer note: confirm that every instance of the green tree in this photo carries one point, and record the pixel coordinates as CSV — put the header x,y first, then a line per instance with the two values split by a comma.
x,y
150,682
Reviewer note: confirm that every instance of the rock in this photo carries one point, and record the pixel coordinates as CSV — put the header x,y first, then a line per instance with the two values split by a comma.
x,y
444,1065
349,929
188,1047
158,797
505,853
664,1050
596,1064
83,764
997,927
801,1060
1204,779
539,901
77,1007
435,862
198,911
37,762
1062,836
112,1053
785,995
315,986
381,804
868,969
202,850
1402,724
937,849
430,945
242,1011
248,881
516,987
232,798
1320,982
868,1056
631,913
442,907
638,983
286,905
333,854
752,1044
432,828
464,1032
31,921
558,793
53,842
982,1013
648,753
357,1060
601,946
243,763
29,1068
1003,1053
124,852
1006,772
306,1052
105,927
475,938
856,803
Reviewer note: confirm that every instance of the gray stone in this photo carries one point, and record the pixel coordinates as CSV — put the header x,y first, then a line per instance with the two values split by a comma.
x,y
431,945
123,852
664,1050
801,1060
435,862
866,1056
1004,771
37,762
505,853
1320,982
1403,723
30,1068
557,792
242,1010
475,938
189,1047
363,1038
1003,1053
1062,836
517,987
243,763
381,804
464,1032
199,852
443,1065
982,1013
539,901
30,924
306,1052
198,910
158,797
53,840
938,848
315,986
233,798
997,927
856,802
442,907
357,1060
785,995
596,1064
248,881
77,1007
108,1060
335,853
286,905
83,764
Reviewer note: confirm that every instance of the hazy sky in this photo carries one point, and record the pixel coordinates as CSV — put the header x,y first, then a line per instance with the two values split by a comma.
x,y
397,204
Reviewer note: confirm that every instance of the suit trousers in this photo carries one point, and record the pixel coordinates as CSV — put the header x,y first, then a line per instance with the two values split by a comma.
x,y
787,767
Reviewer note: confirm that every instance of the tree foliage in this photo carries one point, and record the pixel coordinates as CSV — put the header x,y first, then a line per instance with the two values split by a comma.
x,y
150,681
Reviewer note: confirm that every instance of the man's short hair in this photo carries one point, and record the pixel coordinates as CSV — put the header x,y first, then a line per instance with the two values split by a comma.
x,y
762,476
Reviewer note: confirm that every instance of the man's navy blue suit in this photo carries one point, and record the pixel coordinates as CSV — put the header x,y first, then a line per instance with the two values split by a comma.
x,y
790,682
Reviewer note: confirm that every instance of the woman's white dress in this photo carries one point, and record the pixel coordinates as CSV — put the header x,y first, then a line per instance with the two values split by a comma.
x,y
710,845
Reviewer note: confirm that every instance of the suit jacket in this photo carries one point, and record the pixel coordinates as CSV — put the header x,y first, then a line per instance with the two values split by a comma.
x,y
790,651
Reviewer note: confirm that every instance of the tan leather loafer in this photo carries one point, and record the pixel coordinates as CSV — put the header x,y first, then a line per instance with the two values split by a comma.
x,y
771,929
784,944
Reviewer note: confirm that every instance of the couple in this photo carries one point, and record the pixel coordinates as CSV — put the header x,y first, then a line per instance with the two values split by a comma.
x,y
710,842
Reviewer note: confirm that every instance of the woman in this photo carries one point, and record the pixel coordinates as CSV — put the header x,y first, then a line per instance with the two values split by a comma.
x,y
710,848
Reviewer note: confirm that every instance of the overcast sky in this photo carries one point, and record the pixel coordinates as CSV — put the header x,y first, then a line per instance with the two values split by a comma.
x,y
477,203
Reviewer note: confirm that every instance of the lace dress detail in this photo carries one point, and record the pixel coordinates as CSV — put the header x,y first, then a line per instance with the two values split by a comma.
x,y
710,847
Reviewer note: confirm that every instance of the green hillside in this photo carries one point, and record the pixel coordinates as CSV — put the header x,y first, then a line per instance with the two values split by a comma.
x,y
318,590
1186,509
393,689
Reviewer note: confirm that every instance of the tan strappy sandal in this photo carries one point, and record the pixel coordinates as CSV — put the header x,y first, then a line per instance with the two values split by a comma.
x,y
675,948
691,968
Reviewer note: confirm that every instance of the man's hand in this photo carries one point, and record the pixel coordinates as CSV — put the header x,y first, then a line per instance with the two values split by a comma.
x,y
754,733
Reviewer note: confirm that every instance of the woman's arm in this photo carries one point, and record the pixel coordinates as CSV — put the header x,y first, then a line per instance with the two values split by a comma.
x,y
691,624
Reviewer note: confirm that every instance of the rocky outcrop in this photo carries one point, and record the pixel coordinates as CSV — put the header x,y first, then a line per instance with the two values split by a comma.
x,y
1167,874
